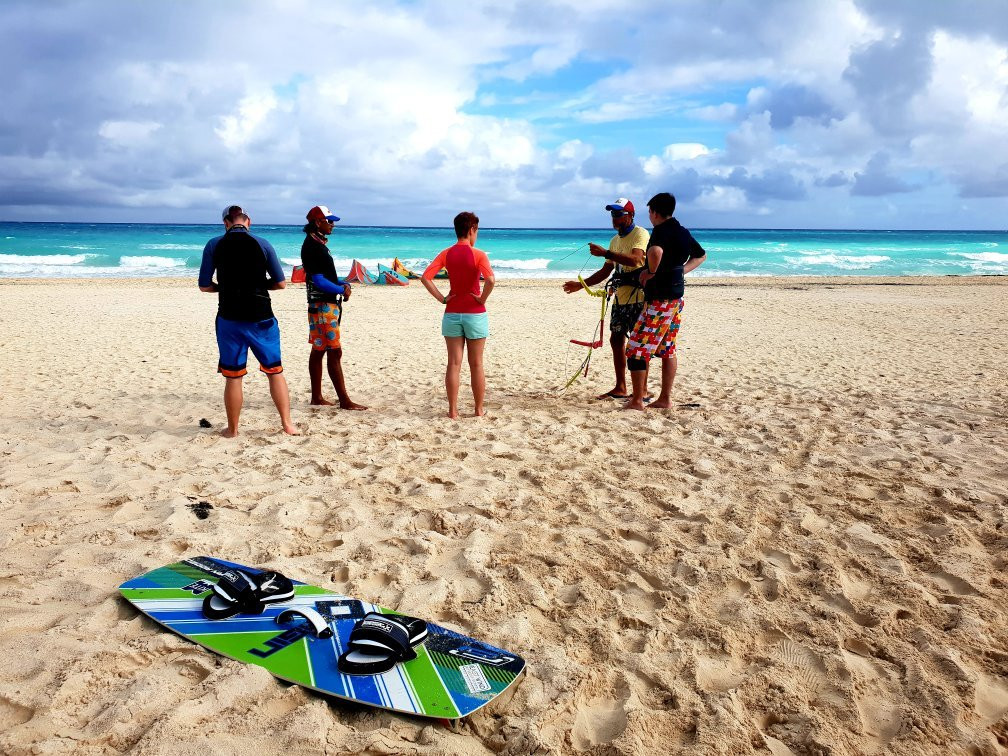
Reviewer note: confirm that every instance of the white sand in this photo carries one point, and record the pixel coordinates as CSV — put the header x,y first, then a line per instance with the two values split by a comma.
x,y
811,562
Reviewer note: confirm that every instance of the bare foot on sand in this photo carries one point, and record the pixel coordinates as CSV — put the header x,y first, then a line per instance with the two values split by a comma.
x,y
348,405
229,433
632,405
479,413
661,404
291,430
320,402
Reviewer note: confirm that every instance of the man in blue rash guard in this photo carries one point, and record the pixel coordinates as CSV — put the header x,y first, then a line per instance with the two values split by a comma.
x,y
247,270
325,294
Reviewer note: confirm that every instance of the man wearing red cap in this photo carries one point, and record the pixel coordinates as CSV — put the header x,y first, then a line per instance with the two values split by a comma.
x,y
625,256
326,292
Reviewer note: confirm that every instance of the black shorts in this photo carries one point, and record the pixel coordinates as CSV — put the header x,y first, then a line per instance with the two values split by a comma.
x,y
624,317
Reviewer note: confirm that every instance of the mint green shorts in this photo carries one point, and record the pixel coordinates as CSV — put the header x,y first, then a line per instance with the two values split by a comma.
x,y
471,325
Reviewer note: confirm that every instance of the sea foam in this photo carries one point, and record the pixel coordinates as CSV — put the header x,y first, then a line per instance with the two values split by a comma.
x,y
171,246
141,261
539,263
991,257
33,260
843,262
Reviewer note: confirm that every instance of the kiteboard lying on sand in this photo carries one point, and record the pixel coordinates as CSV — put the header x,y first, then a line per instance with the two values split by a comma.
x,y
325,641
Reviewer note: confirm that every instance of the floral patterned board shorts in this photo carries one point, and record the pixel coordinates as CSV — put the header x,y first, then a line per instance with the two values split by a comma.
x,y
323,326
656,330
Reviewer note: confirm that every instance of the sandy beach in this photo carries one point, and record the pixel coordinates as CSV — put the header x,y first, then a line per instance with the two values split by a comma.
x,y
811,560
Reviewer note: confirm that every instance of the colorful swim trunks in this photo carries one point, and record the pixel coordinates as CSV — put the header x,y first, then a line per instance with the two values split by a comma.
x,y
236,337
324,326
624,317
656,330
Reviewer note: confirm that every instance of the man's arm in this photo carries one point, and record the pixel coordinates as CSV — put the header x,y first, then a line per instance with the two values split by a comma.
x,y
631,260
206,270
325,285
273,267
693,263
697,257
598,276
654,256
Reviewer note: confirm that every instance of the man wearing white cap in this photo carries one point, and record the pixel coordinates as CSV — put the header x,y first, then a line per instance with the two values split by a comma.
x,y
326,292
625,256
247,270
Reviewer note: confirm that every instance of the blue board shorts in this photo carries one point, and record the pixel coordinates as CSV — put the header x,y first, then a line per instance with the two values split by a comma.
x,y
236,337
471,325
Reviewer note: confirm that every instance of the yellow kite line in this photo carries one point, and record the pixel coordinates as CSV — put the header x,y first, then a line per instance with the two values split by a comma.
x,y
601,292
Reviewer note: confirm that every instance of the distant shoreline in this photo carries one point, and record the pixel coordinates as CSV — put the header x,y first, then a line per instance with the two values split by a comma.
x,y
773,282
770,229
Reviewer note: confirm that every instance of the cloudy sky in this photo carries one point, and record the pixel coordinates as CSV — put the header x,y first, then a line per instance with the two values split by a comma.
x,y
771,114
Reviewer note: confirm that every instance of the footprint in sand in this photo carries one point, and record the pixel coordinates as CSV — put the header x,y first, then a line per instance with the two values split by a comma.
x,y
719,674
636,542
876,693
805,667
781,560
600,720
991,698
13,714
844,605
952,584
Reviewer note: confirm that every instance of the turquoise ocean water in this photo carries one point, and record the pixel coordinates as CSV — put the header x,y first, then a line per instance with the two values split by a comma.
x,y
80,250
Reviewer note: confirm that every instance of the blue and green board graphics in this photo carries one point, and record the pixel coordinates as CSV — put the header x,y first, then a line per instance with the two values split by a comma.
x,y
452,675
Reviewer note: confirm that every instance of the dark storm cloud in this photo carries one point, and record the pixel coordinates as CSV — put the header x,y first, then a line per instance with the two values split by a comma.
x,y
685,185
833,180
617,166
790,102
775,183
66,63
887,74
991,184
127,104
876,179
545,178
973,18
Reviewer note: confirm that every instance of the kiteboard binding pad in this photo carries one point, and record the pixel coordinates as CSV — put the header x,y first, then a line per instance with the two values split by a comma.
x,y
333,644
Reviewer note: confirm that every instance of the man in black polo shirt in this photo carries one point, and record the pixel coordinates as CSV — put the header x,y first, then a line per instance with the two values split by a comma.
x,y
672,252
247,270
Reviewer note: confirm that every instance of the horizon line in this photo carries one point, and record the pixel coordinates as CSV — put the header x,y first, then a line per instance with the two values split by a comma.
x,y
507,228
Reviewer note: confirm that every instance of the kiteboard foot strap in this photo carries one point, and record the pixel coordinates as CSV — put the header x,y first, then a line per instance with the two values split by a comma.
x,y
239,592
320,628
380,641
